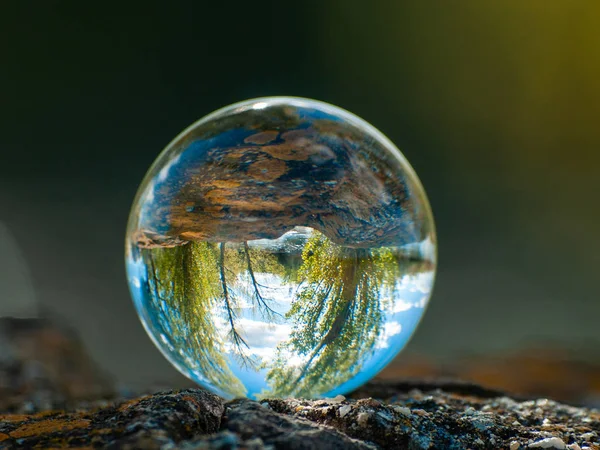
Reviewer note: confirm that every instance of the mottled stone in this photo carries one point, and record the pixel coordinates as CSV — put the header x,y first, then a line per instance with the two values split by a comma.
x,y
250,420
418,419
412,419
158,421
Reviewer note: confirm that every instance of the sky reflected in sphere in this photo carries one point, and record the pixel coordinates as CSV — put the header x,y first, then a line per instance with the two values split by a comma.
x,y
280,247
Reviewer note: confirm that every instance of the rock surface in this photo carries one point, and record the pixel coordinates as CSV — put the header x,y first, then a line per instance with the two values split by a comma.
x,y
52,395
155,421
469,418
44,365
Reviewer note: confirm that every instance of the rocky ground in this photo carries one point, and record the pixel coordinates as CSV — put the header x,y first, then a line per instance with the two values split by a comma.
x,y
52,396
414,419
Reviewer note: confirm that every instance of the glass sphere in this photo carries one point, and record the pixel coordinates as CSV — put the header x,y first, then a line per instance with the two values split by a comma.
x,y
280,247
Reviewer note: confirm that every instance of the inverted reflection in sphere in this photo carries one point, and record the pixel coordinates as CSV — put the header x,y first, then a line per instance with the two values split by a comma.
x,y
280,247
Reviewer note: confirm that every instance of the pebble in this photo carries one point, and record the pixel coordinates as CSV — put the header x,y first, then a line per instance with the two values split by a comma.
x,y
420,412
588,436
344,410
553,443
324,411
514,445
402,410
386,416
362,419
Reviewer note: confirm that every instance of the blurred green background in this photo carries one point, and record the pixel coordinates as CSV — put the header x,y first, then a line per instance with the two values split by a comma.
x,y
496,105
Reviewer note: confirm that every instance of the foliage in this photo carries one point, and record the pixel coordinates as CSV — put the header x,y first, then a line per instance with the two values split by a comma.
x,y
337,316
200,285
243,262
187,279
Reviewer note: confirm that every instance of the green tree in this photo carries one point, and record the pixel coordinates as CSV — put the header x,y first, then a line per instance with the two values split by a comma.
x,y
196,281
189,280
242,263
337,316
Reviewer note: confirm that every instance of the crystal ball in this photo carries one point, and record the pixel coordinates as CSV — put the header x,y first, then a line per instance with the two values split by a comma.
x,y
280,247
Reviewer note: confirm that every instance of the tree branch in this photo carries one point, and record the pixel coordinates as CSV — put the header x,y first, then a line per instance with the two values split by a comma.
x,y
238,340
260,300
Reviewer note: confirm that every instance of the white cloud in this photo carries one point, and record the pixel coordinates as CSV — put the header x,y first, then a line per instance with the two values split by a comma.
x,y
400,305
262,334
262,337
418,282
423,282
389,329
422,302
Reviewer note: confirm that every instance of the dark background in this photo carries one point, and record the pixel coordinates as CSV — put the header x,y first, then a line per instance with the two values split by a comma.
x,y
495,104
